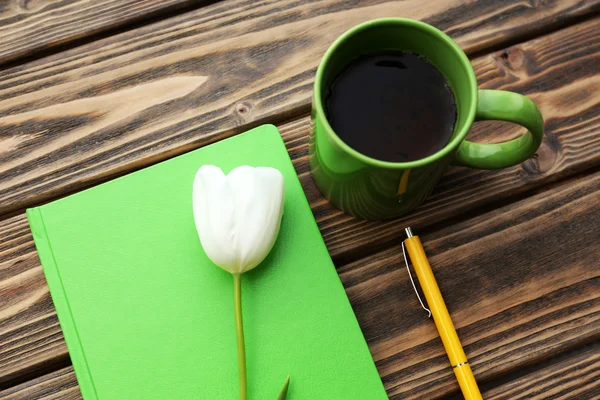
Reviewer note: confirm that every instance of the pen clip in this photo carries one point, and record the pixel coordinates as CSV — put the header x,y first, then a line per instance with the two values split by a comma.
x,y
413,282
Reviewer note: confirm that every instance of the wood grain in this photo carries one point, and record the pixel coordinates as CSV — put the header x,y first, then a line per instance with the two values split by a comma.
x,y
30,26
86,115
30,336
561,72
575,376
57,385
521,282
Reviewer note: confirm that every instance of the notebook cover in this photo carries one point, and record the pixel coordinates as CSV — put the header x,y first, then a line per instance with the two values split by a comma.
x,y
146,315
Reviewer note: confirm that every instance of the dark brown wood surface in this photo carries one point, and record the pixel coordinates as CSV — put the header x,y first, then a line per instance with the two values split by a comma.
x,y
31,26
30,336
527,309
573,375
98,111
57,385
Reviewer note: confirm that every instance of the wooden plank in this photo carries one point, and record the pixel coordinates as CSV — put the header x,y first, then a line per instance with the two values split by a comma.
x,y
57,385
571,133
30,337
84,116
576,376
520,282
32,26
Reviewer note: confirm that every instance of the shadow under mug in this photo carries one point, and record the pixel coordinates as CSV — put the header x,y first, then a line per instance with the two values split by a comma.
x,y
374,189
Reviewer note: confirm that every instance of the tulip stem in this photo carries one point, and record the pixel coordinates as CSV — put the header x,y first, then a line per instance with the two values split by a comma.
x,y
239,330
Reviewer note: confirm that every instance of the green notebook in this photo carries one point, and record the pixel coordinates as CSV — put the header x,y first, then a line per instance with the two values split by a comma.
x,y
146,315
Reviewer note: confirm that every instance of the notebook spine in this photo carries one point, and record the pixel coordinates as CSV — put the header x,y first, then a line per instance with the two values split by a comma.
x,y
61,303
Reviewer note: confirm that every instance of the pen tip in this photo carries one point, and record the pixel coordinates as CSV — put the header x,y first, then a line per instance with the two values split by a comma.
x,y
408,232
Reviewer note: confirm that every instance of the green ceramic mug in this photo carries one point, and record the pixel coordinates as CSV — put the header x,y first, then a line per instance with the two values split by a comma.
x,y
374,189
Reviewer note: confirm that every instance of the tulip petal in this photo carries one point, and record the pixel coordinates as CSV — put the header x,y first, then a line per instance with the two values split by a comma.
x,y
214,216
259,197
238,216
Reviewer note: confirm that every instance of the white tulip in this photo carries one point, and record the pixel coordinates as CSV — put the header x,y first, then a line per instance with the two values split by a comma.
x,y
238,215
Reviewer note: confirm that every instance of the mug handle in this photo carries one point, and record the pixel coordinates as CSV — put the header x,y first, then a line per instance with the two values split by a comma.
x,y
503,106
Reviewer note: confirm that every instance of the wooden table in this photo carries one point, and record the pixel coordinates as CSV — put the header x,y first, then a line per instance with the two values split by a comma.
x,y
92,90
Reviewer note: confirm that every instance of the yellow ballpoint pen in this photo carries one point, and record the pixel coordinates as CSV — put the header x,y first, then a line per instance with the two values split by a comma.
x,y
441,317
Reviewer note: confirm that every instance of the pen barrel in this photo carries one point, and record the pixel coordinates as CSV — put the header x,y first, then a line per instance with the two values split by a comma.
x,y
467,383
432,293
441,317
